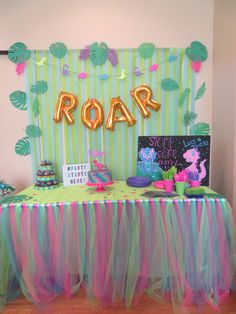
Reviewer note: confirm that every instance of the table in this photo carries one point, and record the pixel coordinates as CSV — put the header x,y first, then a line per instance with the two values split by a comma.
x,y
117,244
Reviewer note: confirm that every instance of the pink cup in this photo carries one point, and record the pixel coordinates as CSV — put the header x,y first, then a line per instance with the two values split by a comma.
x,y
169,185
195,183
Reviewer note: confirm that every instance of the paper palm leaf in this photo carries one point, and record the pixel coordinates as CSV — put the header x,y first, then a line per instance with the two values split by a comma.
x,y
183,97
58,50
98,53
201,91
146,50
197,51
39,88
169,84
201,128
22,147
36,107
33,131
188,117
18,99
18,53
112,57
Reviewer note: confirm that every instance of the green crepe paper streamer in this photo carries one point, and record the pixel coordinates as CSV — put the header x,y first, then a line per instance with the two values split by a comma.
x,y
33,131
146,50
201,128
18,99
39,88
22,147
16,199
98,53
169,84
36,107
188,117
183,97
58,50
197,51
18,53
201,91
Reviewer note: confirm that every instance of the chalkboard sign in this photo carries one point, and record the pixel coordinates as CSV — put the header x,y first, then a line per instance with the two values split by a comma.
x,y
157,153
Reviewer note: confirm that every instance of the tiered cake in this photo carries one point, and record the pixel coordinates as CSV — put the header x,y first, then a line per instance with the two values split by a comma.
x,y
101,176
46,177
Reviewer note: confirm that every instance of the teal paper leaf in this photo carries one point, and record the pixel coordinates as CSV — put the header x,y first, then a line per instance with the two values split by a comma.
x,y
33,131
98,53
35,108
18,53
201,91
183,97
39,88
16,199
146,50
169,84
18,99
188,117
197,51
58,50
22,147
201,128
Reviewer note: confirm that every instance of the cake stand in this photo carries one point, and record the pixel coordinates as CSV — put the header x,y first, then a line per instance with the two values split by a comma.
x,y
100,187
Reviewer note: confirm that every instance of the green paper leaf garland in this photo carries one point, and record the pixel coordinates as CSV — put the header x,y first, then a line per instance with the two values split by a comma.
x,y
16,199
22,147
188,117
169,84
98,53
18,53
197,51
39,88
33,131
146,50
201,128
58,50
18,99
35,107
183,97
201,91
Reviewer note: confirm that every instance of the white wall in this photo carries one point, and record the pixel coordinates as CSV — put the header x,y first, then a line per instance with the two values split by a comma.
x,y
123,23
224,99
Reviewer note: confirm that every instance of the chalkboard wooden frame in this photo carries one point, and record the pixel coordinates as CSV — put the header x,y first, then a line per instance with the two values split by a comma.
x,y
185,152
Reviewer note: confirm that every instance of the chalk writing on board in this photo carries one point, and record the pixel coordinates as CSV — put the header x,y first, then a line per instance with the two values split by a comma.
x,y
184,152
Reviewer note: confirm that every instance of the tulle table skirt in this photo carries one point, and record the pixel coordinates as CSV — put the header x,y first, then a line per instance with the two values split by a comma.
x,y
179,250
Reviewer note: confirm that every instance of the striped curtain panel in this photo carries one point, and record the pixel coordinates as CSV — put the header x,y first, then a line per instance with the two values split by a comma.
x,y
69,144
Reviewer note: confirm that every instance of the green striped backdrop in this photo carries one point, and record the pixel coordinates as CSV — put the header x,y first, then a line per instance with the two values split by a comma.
x,y
65,144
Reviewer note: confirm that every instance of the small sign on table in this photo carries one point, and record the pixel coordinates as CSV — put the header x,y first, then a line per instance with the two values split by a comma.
x,y
75,174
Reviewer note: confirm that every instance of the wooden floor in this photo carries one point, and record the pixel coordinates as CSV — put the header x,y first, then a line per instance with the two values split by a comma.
x,y
80,305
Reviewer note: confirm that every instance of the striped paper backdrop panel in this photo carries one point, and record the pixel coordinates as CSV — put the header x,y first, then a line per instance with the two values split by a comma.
x,y
68,144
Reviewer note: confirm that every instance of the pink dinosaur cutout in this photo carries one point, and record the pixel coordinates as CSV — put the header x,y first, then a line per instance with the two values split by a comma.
x,y
192,155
